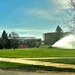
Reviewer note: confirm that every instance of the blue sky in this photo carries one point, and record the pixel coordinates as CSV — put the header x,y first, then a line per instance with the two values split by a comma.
x,y
32,18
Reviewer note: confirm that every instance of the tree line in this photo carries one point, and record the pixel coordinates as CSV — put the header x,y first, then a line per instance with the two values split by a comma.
x,y
12,42
6,43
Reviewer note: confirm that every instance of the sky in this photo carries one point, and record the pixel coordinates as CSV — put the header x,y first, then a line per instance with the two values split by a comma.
x,y
32,18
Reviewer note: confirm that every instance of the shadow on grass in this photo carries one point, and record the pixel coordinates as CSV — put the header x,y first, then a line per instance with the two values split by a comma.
x,y
31,68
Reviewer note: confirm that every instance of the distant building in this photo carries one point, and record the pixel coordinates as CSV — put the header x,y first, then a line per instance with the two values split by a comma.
x,y
52,37
29,41
24,42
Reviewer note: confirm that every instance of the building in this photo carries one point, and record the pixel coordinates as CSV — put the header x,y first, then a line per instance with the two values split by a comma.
x,y
52,37
26,41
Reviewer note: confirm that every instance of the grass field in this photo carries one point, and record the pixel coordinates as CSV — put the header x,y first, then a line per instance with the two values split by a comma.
x,y
31,68
37,53
64,61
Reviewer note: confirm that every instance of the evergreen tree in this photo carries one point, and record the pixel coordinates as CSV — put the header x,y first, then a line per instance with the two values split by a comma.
x,y
4,38
58,29
59,32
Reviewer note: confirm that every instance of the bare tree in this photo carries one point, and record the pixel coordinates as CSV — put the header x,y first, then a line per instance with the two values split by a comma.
x,y
71,22
14,36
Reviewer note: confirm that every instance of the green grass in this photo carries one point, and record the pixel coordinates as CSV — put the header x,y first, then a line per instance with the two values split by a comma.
x,y
37,53
64,61
31,68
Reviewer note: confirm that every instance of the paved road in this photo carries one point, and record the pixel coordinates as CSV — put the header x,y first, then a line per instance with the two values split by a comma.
x,y
3,72
26,61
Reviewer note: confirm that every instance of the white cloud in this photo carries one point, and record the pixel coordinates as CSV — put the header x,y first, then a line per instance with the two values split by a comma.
x,y
63,4
45,14
25,33
22,30
29,30
31,33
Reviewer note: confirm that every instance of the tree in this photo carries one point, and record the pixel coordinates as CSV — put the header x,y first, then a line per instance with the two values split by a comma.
x,y
1,46
15,41
58,29
4,38
8,44
58,33
13,34
71,22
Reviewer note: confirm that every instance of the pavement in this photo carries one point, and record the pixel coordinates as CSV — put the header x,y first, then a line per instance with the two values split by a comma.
x,y
32,62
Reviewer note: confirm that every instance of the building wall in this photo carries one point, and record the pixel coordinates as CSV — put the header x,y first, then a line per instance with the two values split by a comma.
x,y
51,38
27,41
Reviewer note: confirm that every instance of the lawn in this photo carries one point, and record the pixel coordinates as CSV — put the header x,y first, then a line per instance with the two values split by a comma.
x,y
31,68
37,53
64,61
